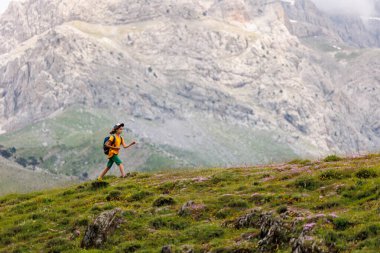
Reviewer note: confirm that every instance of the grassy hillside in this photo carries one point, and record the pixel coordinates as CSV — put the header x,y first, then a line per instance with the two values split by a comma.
x,y
16,179
334,204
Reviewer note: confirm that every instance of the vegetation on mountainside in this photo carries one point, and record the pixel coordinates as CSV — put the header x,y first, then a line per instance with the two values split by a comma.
x,y
338,200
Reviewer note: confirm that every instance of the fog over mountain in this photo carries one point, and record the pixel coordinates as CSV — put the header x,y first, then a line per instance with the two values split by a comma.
x,y
356,7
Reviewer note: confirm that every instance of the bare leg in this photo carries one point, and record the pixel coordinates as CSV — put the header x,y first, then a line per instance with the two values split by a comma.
x,y
121,167
103,173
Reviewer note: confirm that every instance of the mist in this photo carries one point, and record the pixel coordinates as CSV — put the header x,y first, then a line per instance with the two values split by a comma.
x,y
353,7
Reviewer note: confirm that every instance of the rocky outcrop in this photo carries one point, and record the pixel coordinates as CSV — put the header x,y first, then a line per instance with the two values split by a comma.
x,y
104,225
279,230
192,209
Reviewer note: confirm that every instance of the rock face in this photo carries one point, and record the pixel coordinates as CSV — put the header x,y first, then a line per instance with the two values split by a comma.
x,y
276,231
169,65
104,225
306,21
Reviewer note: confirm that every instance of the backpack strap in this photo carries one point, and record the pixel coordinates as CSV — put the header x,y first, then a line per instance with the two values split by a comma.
x,y
114,140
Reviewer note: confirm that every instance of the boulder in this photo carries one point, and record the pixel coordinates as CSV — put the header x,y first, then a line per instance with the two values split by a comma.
x,y
105,224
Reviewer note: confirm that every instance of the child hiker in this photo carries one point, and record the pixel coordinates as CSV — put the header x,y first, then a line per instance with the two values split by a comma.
x,y
112,147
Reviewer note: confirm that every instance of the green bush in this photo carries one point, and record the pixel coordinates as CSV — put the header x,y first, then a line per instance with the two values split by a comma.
x,y
282,209
308,183
99,185
238,204
332,158
341,223
223,213
366,173
372,230
114,195
129,247
164,201
333,174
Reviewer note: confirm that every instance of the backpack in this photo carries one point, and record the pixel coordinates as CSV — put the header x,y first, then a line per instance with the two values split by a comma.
x,y
107,149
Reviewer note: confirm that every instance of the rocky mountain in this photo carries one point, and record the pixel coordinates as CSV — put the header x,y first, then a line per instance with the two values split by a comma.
x,y
307,21
197,82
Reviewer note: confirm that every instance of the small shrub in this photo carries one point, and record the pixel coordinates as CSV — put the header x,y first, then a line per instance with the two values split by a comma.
x,y
238,204
164,201
222,177
333,174
282,209
372,230
223,213
99,185
114,195
129,247
307,183
362,235
332,158
366,173
341,223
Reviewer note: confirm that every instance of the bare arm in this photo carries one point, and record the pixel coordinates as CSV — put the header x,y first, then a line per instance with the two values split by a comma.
x,y
127,146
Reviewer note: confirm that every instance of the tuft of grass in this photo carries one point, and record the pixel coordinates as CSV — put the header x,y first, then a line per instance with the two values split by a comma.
x,y
332,158
308,183
114,195
341,223
366,173
333,174
164,201
282,209
99,185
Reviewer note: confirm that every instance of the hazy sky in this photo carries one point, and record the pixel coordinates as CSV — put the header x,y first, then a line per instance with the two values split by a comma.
x,y
3,5
360,7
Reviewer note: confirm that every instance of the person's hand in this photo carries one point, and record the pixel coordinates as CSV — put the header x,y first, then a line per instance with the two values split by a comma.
x,y
133,143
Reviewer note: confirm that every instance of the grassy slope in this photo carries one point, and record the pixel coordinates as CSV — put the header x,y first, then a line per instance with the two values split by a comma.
x,y
349,189
14,178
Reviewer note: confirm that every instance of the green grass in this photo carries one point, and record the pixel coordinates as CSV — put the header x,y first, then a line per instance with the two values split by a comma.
x,y
346,192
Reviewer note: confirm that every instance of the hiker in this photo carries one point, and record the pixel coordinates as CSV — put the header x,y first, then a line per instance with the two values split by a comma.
x,y
111,148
